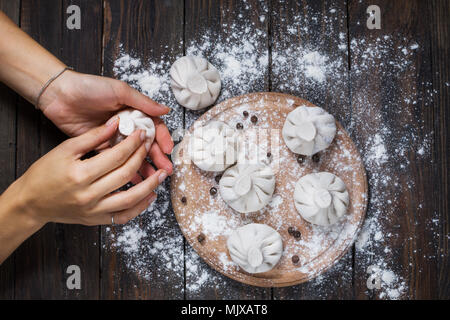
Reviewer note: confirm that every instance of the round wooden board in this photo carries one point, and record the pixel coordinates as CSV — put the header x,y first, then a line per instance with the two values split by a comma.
x,y
201,213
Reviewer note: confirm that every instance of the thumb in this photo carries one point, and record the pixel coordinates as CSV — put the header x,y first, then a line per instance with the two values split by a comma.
x,y
133,98
94,137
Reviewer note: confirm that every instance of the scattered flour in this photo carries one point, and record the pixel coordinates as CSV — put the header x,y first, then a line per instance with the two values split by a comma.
x,y
130,239
152,78
153,246
314,66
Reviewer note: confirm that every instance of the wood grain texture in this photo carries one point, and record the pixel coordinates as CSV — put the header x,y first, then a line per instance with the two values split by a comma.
x,y
38,271
299,28
440,55
217,17
396,86
148,30
8,126
82,50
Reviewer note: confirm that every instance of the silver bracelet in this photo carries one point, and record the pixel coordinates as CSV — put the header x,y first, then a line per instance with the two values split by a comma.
x,y
48,83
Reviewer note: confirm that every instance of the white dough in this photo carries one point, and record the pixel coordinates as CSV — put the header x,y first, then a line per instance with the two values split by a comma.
x,y
308,130
247,187
213,147
195,82
255,247
321,198
131,120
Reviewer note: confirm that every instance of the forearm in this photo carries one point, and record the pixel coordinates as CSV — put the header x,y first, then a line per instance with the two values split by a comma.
x,y
16,225
25,66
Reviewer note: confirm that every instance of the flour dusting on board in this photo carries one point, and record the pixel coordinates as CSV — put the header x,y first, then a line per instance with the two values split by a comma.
x,y
153,246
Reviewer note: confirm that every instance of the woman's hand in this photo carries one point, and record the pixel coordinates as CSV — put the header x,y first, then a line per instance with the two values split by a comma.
x,y
60,187
77,102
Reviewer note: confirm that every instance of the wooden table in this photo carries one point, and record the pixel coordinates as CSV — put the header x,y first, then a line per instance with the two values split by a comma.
x,y
38,268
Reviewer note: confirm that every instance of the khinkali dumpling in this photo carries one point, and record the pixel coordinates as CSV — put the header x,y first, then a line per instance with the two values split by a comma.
x,y
255,247
247,187
195,82
321,198
213,147
131,120
308,130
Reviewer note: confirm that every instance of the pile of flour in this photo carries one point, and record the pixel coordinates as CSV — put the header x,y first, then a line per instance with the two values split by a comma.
x,y
153,246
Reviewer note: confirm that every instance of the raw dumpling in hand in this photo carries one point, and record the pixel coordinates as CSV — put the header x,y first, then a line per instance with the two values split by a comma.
x,y
195,82
321,198
213,147
247,187
255,247
131,120
308,130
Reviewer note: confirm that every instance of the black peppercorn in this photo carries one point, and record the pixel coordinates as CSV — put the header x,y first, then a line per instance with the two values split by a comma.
x,y
254,119
300,159
201,237
295,259
183,200
297,234
239,126
213,191
291,230
245,113
316,157
269,154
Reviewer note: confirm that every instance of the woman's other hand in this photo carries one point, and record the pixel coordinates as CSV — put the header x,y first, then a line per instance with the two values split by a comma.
x,y
77,102
60,187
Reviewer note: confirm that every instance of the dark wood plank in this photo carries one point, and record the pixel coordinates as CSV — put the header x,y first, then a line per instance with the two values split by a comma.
x,y
316,33
393,124
211,25
8,111
39,273
440,50
80,245
151,31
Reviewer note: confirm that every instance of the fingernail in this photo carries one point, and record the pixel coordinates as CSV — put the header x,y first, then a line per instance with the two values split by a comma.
x,y
165,107
152,198
147,146
162,176
112,121
142,135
